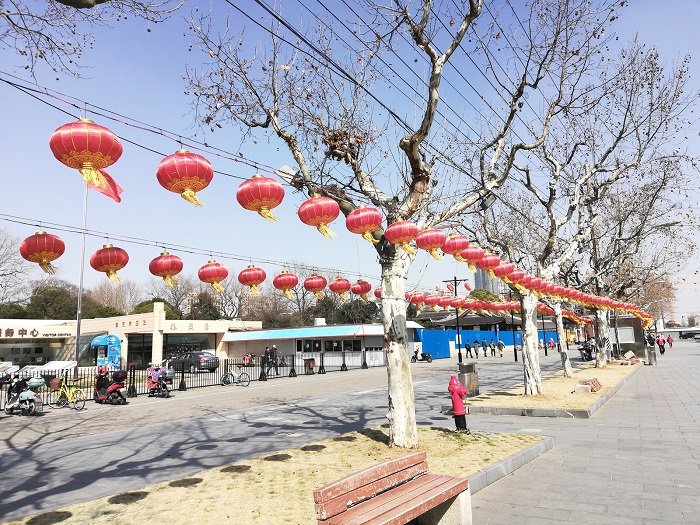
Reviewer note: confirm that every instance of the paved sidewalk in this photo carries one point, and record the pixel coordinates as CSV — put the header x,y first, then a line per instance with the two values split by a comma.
x,y
636,461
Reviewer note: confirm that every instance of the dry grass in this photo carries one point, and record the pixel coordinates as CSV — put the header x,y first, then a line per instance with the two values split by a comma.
x,y
558,390
277,489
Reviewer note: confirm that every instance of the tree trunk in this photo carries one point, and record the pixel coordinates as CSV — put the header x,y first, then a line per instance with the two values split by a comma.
x,y
563,342
531,356
602,337
402,414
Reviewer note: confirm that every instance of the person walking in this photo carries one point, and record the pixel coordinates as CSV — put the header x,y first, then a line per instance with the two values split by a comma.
x,y
484,346
550,344
501,346
265,360
468,350
273,360
661,343
669,340
476,348
650,340
492,347
459,394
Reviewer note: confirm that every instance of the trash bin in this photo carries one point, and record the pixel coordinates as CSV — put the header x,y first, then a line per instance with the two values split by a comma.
x,y
469,378
651,355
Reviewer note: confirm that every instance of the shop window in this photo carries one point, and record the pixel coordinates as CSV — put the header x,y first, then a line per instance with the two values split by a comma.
x,y
356,345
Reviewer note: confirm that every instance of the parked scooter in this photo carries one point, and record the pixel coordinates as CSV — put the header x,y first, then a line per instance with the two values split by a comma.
x,y
23,397
586,350
108,390
424,356
159,381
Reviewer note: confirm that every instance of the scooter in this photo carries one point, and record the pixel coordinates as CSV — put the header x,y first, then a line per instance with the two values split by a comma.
x,y
423,357
586,351
108,390
159,381
23,396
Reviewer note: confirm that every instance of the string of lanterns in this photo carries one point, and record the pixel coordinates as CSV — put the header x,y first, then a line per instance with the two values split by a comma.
x,y
90,148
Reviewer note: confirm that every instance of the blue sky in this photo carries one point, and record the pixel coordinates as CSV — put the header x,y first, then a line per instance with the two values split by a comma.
x,y
139,74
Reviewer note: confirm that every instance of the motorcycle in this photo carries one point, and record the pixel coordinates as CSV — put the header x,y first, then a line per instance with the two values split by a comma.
x,y
424,356
108,390
159,381
249,360
23,396
586,350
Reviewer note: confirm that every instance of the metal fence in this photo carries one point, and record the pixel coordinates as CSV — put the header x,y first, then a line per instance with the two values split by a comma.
x,y
287,366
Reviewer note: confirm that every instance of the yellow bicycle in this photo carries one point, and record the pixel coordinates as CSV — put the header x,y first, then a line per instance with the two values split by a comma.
x,y
62,393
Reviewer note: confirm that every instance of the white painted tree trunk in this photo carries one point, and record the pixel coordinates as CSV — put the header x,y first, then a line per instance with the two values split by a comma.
x,y
602,336
531,357
563,345
402,414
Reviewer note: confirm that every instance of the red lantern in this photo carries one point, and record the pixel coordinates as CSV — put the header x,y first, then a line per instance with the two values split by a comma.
x,y
455,245
430,240
185,173
432,301
458,303
445,301
378,293
468,287
87,147
363,221
315,284
471,256
213,273
401,233
260,194
319,212
252,277
488,262
42,248
417,299
109,259
503,270
361,288
285,282
339,285
166,266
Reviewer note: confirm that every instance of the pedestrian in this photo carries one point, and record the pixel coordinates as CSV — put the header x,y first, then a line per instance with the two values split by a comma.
x,y
476,348
273,361
468,349
459,394
540,346
484,346
661,343
501,346
265,359
650,340
550,343
669,340
492,347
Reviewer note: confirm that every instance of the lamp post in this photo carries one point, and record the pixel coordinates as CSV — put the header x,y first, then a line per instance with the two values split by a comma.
x,y
454,282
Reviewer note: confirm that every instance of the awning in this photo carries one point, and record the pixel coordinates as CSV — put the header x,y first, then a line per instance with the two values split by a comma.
x,y
311,332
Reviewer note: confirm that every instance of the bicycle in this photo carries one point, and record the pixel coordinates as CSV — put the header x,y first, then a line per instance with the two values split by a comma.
x,y
240,378
61,394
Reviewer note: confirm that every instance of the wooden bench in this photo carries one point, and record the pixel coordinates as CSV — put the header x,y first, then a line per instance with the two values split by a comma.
x,y
395,492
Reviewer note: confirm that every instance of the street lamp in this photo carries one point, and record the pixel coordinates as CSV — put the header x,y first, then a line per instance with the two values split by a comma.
x,y
454,282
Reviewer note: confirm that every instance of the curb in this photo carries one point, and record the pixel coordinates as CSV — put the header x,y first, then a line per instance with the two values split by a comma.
x,y
585,413
501,469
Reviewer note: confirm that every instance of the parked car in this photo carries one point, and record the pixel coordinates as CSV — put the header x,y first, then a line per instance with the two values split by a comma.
x,y
195,361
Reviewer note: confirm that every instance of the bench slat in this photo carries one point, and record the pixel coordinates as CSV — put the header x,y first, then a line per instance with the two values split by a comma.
x,y
334,506
404,503
368,475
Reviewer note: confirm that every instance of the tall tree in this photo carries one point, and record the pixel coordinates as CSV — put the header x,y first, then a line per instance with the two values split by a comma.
x,y
326,107
13,270
123,295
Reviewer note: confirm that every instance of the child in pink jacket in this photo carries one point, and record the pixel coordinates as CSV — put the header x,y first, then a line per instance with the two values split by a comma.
x,y
459,393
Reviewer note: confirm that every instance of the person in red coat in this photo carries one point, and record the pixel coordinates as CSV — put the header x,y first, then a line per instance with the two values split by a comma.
x,y
458,393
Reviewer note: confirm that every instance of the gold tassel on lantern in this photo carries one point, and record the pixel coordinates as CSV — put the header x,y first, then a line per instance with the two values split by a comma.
x,y
254,289
288,294
435,254
217,287
325,231
169,281
472,267
112,274
319,296
191,197
92,175
267,214
408,248
369,237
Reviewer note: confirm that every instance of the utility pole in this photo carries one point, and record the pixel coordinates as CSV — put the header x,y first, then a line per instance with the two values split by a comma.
x,y
454,281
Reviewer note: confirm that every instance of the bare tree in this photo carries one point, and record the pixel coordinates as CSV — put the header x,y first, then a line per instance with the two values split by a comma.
x,y
349,145
57,32
13,270
123,295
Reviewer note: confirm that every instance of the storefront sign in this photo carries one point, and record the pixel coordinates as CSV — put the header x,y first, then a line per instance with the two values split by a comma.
x,y
50,332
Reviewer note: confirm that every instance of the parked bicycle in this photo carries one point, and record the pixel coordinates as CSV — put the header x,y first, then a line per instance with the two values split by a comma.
x,y
240,378
62,393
